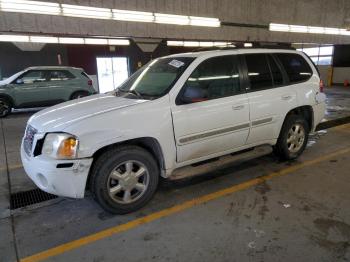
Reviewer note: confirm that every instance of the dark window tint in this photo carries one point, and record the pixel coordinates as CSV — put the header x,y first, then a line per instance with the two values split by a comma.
x,y
214,78
60,75
32,76
277,76
297,68
258,71
85,75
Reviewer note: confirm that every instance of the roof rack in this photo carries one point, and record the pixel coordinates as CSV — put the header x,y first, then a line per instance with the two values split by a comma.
x,y
241,46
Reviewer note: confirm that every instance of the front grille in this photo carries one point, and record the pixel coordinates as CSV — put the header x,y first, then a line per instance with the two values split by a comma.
x,y
28,139
27,198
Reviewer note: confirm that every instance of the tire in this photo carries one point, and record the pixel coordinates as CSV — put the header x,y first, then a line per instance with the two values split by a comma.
x,y
5,107
293,138
113,173
79,94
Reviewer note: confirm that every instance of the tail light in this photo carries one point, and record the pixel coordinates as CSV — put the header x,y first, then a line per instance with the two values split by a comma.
x,y
90,82
321,86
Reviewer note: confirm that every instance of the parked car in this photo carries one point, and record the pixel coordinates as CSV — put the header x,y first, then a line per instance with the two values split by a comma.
x,y
175,111
43,86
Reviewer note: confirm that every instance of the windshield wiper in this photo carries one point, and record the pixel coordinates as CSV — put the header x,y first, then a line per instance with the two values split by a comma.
x,y
134,92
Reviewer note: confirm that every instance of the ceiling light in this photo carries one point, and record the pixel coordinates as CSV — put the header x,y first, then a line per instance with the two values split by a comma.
x,y
316,30
71,40
191,43
331,31
248,45
36,7
118,42
44,39
96,41
175,43
14,38
86,11
206,44
204,21
298,29
171,19
125,15
279,27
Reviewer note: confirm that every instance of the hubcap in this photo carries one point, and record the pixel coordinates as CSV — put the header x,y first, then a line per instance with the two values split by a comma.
x,y
4,108
295,138
128,182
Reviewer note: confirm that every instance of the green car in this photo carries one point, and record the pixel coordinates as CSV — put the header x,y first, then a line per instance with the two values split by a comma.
x,y
43,86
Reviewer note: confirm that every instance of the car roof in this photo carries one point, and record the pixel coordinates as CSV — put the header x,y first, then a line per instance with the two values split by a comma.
x,y
53,68
233,51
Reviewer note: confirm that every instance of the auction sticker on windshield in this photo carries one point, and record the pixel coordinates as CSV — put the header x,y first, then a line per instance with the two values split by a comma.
x,y
176,63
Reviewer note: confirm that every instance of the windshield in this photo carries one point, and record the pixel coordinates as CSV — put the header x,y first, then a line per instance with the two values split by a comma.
x,y
11,78
155,79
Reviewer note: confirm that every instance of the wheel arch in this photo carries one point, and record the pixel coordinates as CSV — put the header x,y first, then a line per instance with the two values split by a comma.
x,y
148,143
306,111
78,91
9,98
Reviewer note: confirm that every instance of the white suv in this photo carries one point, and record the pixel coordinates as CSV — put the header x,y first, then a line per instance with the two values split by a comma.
x,y
175,111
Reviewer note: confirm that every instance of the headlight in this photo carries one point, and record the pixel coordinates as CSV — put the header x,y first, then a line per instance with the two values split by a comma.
x,y
60,146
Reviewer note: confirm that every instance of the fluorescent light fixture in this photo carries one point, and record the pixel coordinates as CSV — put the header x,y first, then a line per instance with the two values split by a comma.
x,y
221,44
36,7
172,19
206,44
96,41
204,21
118,42
44,39
191,43
279,27
125,15
48,8
331,31
71,40
248,45
316,30
175,43
308,29
86,11
298,29
14,38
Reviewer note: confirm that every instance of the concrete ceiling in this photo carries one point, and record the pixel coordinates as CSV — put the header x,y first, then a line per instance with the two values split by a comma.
x,y
259,12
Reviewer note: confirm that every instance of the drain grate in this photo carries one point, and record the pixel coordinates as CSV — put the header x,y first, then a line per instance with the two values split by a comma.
x,y
26,198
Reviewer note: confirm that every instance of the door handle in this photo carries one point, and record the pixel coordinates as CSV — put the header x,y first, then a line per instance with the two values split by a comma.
x,y
240,107
286,97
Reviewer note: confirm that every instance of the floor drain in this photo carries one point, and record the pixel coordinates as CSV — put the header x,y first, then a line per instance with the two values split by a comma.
x,y
26,198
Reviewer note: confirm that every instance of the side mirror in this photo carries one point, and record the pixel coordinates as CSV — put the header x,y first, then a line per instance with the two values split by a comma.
x,y
193,94
19,81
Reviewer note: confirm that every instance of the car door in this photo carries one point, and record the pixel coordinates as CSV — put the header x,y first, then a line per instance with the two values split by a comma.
x,y
30,89
61,85
270,97
211,114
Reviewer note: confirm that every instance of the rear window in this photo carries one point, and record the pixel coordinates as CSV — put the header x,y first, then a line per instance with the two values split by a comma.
x,y
297,69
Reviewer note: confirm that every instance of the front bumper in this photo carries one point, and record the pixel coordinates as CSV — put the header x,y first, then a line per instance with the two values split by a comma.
x,y
68,181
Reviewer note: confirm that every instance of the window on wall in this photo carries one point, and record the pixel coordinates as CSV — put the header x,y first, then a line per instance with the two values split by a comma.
x,y
321,55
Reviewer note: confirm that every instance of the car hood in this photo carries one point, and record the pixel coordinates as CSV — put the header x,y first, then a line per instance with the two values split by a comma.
x,y
58,117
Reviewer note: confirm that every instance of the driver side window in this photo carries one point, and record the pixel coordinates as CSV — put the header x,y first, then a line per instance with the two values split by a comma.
x,y
214,78
32,76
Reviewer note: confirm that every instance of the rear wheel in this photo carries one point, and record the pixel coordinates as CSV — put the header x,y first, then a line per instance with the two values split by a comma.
x,y
79,94
5,107
124,179
293,138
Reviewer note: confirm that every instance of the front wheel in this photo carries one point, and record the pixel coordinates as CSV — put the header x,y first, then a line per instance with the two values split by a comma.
x,y
293,138
5,107
79,94
124,179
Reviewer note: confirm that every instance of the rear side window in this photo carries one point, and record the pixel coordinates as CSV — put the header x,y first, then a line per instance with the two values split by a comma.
x,y
85,74
297,69
258,72
60,75
215,78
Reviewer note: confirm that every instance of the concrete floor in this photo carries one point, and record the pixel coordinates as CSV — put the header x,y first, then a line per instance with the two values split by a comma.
x,y
296,211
